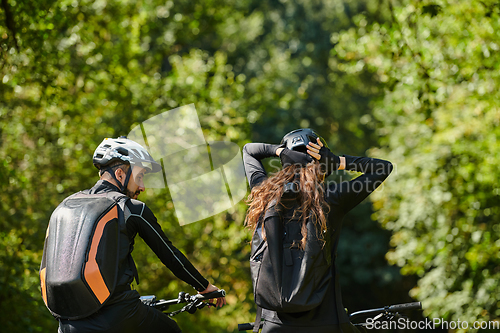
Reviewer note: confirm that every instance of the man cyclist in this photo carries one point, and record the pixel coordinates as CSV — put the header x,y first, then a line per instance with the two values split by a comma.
x,y
122,164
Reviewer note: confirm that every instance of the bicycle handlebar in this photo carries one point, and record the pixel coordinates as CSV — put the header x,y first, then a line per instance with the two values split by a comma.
x,y
405,306
186,298
388,309
211,295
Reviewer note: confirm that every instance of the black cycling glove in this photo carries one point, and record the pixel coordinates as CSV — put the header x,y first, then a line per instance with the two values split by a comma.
x,y
289,157
329,161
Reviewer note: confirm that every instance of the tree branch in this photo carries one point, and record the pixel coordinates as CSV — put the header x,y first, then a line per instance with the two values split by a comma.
x,y
9,22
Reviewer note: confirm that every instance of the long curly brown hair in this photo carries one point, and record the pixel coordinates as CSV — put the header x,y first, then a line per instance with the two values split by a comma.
x,y
311,198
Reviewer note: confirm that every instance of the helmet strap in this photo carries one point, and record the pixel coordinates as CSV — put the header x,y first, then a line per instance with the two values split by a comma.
x,y
123,188
127,178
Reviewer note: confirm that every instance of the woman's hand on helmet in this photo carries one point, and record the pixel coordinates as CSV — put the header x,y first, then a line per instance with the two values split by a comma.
x,y
291,157
329,161
313,149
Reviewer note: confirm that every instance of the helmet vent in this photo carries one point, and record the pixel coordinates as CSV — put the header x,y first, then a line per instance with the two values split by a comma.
x,y
122,151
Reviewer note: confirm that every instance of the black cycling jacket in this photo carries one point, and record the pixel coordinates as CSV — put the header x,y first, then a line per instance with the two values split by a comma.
x,y
341,197
141,221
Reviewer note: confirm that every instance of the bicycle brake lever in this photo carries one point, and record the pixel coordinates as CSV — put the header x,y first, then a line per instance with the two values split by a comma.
x,y
191,308
389,316
398,315
209,304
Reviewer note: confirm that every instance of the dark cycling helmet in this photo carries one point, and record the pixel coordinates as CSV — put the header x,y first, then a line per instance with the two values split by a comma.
x,y
125,150
299,138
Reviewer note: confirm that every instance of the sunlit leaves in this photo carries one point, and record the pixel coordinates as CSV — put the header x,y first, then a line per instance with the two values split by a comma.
x,y
439,118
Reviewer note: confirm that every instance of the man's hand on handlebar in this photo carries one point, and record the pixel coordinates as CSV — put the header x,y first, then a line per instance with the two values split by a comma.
x,y
221,301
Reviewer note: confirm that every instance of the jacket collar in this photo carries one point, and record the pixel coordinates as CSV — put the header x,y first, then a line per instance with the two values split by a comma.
x,y
103,186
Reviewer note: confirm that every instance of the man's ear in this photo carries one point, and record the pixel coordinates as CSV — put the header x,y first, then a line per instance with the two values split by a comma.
x,y
119,174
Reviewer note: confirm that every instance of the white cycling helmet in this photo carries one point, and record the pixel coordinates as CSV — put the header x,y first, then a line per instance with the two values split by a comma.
x,y
125,150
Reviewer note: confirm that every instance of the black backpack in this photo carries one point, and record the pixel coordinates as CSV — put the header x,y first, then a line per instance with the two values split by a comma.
x,y
286,278
79,266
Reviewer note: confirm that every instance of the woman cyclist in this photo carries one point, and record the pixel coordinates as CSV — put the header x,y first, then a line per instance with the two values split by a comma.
x,y
307,161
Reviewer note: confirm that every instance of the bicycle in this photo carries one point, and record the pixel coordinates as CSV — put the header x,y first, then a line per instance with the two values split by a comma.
x,y
194,302
387,313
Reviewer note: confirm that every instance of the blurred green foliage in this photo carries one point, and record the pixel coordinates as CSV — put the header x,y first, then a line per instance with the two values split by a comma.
x,y
418,78
438,121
